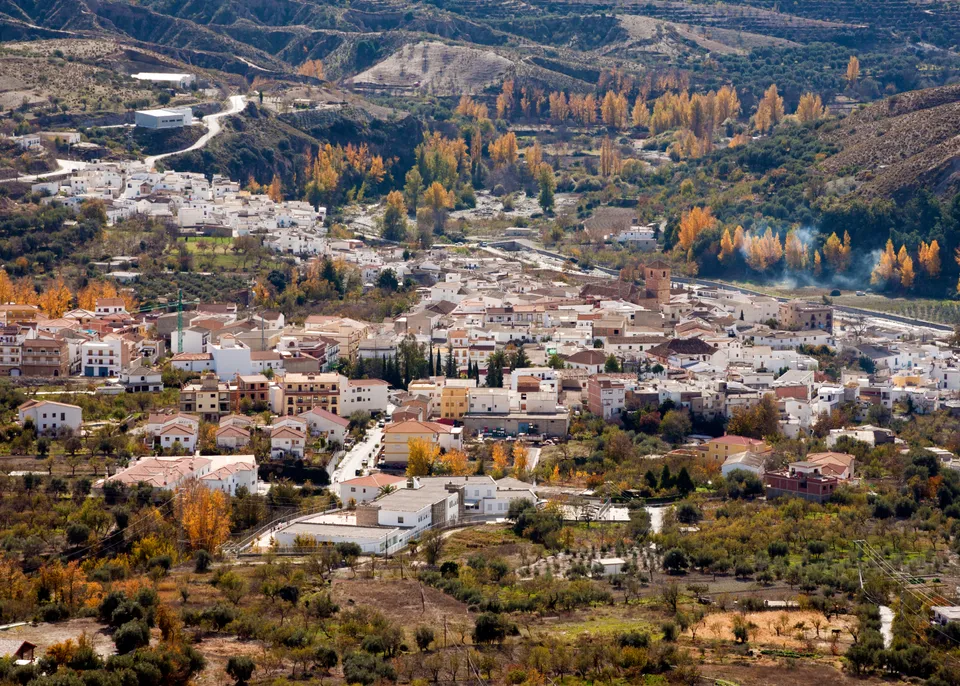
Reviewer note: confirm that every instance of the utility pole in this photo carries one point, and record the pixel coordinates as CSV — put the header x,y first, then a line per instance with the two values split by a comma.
x,y
180,320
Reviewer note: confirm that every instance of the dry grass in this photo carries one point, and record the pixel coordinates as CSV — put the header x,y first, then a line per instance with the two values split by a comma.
x,y
406,602
720,626
436,67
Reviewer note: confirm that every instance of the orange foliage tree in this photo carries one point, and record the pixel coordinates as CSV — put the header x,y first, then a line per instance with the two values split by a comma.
x,y
693,223
204,515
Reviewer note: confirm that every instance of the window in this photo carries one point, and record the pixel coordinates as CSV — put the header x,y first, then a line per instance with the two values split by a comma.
x,y
399,520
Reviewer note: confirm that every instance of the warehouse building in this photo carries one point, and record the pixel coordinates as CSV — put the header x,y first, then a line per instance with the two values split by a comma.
x,y
165,119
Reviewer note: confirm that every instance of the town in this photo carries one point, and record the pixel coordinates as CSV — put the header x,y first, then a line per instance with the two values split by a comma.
x,y
392,343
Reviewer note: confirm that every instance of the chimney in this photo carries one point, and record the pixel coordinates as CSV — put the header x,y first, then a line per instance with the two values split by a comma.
x,y
411,483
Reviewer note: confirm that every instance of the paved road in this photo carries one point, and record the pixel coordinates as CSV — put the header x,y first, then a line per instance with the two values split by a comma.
x,y
212,122
348,465
63,167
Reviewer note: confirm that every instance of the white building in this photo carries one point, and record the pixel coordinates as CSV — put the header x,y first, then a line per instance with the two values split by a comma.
x,y
164,119
175,436
322,423
102,358
230,358
181,81
363,395
366,488
224,473
287,441
49,416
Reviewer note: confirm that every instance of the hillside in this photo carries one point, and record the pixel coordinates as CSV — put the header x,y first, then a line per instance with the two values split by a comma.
x,y
900,144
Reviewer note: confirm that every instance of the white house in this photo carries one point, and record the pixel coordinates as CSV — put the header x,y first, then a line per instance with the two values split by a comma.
x,y
363,395
141,379
232,437
175,435
102,358
326,424
49,416
287,441
366,488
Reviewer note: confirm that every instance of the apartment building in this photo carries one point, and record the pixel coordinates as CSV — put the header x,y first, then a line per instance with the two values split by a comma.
x,y
45,357
11,342
210,398
301,392
104,358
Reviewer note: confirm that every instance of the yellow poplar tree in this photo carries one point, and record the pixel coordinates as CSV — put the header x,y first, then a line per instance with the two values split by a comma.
x,y
519,458
640,115
930,258
501,460
55,299
853,70
455,462
505,100
6,287
204,515
274,190
817,263
693,223
769,111
810,108
421,456
726,246
795,251
905,263
886,267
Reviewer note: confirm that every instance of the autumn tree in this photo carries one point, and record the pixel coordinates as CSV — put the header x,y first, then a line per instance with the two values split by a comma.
x,y
204,514
930,258
503,151
795,251
274,190
438,201
817,263
727,104
769,111
324,174
810,108
312,69
533,157
853,70
763,252
505,100
693,223
559,109
468,107
55,299
610,161
421,456
519,454
640,115
905,264
395,218
886,267
501,459
454,462
726,247
837,253
613,110
6,288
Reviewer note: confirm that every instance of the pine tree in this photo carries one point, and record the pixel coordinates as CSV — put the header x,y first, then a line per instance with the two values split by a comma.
x,y
451,365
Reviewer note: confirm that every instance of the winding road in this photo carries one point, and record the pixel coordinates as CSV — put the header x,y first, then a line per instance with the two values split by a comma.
x,y
63,167
212,122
